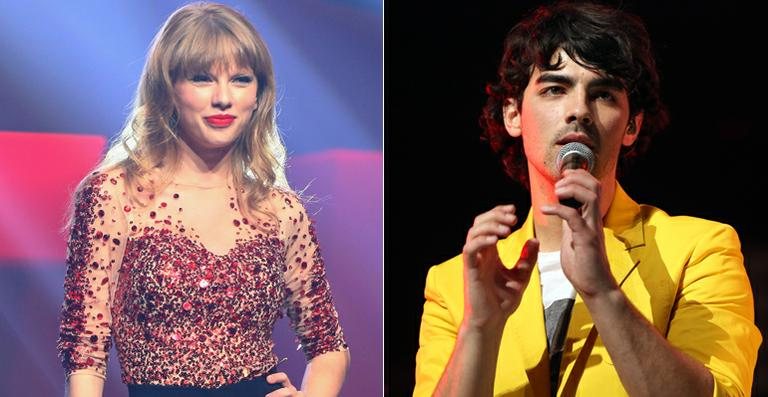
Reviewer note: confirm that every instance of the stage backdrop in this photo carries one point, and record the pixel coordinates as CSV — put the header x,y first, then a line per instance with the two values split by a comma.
x,y
70,73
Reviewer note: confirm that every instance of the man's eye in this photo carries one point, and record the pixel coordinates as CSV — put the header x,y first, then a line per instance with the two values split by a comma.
x,y
605,96
553,90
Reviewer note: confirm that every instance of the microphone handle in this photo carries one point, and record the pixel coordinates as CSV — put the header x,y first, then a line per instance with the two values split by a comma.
x,y
573,161
571,202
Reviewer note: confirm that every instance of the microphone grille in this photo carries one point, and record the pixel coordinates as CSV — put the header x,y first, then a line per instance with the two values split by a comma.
x,y
575,152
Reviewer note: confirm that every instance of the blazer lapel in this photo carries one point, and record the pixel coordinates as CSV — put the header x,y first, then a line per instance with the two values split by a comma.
x,y
525,334
624,235
624,245
524,342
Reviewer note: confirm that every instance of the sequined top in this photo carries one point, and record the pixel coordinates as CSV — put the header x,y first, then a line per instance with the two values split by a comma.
x,y
189,288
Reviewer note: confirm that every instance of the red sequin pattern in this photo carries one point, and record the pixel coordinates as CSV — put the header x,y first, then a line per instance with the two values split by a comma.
x,y
181,311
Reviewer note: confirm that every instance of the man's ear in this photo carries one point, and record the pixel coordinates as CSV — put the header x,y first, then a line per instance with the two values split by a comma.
x,y
632,130
512,118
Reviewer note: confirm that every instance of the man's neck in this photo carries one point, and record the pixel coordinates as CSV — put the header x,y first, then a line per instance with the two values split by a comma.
x,y
549,228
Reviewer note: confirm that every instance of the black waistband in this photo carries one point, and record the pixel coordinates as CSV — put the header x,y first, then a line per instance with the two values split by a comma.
x,y
253,387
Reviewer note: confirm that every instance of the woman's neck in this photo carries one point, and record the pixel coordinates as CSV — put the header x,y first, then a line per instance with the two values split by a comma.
x,y
203,168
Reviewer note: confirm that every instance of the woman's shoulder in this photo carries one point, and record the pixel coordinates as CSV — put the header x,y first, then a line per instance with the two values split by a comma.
x,y
285,205
111,184
278,198
103,180
99,194
281,196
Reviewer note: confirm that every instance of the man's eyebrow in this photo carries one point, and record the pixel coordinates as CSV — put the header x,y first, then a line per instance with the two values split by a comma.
x,y
607,82
554,78
600,82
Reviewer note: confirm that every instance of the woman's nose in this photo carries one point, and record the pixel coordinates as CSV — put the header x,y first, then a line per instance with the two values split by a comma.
x,y
222,97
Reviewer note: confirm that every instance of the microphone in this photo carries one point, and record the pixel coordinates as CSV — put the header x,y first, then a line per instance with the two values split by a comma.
x,y
574,156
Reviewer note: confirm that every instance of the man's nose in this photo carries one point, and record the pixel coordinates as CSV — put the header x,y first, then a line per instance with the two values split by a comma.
x,y
579,109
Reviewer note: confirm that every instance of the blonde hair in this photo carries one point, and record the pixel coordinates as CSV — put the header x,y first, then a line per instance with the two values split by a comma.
x,y
194,39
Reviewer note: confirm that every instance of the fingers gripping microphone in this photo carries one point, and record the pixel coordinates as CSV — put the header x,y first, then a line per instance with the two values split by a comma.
x,y
573,156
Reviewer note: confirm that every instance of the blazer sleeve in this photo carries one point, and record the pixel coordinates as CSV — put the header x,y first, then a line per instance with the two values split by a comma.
x,y
713,320
94,252
437,336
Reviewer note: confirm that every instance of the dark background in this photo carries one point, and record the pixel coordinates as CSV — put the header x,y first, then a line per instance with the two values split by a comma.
x,y
439,175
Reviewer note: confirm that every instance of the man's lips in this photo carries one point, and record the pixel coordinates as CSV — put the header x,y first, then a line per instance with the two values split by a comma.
x,y
220,120
576,137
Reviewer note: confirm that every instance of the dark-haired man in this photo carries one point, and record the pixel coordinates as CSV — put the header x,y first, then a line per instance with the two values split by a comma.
x,y
607,297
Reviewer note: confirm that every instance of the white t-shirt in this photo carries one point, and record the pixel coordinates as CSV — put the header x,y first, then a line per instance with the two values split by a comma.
x,y
554,284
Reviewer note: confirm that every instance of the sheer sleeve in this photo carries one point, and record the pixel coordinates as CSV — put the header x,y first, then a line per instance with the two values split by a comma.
x,y
309,303
94,251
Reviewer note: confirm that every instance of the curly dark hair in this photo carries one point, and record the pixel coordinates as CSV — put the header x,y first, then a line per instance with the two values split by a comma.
x,y
597,37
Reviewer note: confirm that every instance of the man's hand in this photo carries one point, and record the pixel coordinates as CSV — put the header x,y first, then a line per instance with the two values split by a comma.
x,y
582,251
491,291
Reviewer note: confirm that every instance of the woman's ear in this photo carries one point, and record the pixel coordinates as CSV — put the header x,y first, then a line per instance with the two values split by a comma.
x,y
511,114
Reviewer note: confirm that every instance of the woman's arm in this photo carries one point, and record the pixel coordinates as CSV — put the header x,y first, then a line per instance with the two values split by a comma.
x,y
325,374
309,304
84,385
97,240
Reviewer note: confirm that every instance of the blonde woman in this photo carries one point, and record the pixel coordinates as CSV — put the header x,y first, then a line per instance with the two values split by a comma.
x,y
186,243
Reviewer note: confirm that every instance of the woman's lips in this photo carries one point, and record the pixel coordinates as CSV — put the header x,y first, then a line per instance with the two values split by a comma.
x,y
220,120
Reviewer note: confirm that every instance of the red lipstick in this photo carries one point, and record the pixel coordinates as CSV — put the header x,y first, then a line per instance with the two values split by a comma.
x,y
220,120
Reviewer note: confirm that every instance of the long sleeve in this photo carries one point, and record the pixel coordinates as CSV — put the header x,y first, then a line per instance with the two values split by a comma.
x,y
309,303
94,252
713,320
437,334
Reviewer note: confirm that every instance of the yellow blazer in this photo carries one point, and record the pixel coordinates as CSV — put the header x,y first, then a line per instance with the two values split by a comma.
x,y
684,274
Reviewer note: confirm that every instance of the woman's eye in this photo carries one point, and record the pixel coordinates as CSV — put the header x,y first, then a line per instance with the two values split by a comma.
x,y
200,78
243,79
